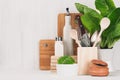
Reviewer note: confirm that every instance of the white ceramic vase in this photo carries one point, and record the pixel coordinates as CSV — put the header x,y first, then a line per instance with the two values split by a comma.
x,y
67,69
107,56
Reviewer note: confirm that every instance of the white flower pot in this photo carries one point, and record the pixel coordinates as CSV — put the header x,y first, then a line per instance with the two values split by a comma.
x,y
107,56
67,69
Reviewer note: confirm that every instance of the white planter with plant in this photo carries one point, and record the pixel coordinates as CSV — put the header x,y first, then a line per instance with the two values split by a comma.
x,y
66,66
91,21
107,56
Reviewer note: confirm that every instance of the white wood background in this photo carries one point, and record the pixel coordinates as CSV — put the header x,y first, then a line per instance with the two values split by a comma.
x,y
24,22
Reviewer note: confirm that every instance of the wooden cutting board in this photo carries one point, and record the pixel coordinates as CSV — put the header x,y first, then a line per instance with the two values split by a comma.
x,y
61,23
46,49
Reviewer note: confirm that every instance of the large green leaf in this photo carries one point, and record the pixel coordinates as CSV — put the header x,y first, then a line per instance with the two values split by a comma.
x,y
90,22
112,33
86,10
90,19
105,6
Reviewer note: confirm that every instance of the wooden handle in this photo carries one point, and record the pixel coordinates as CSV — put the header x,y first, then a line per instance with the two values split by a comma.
x,y
97,38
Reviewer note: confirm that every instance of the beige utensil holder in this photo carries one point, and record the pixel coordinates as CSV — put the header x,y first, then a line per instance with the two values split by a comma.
x,y
85,55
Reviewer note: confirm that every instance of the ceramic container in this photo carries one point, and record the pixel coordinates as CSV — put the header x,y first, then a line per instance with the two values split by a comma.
x,y
67,69
85,55
107,56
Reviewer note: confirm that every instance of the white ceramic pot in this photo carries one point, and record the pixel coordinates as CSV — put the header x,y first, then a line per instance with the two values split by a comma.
x,y
67,69
107,56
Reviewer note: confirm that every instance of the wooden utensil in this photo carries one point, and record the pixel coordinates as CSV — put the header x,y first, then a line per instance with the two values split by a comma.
x,y
94,36
105,22
73,34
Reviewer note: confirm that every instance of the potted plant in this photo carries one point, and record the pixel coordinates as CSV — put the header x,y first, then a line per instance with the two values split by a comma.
x,y
91,21
66,66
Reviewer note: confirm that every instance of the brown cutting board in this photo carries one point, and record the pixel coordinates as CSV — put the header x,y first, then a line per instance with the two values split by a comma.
x,y
61,23
46,49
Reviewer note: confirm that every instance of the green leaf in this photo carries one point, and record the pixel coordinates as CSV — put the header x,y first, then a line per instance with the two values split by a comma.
x,y
86,10
105,6
90,23
90,18
80,7
112,33
66,60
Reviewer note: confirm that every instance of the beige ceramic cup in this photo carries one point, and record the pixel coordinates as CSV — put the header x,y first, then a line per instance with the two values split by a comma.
x,y
85,55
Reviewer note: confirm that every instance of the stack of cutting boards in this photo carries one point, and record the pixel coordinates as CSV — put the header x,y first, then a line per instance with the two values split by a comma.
x,y
53,63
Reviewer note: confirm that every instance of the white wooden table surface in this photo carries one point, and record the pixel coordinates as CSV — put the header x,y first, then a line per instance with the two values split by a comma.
x,y
47,75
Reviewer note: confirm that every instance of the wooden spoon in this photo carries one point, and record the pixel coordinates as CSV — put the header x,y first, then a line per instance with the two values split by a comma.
x,y
94,36
104,23
73,34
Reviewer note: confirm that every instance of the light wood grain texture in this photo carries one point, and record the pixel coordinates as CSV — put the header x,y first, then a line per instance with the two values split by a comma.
x,y
61,23
46,52
44,62
46,49
47,45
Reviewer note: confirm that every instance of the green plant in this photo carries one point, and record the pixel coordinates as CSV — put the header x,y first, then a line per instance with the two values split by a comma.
x,y
91,20
66,60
